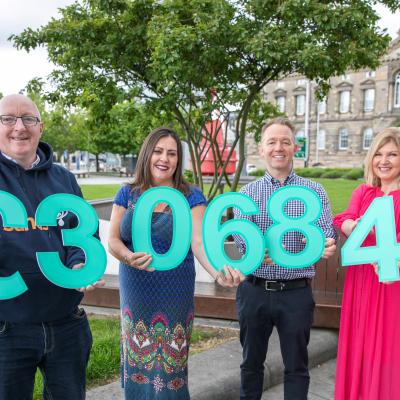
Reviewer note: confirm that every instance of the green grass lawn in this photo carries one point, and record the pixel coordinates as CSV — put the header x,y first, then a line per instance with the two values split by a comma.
x,y
104,358
339,191
94,192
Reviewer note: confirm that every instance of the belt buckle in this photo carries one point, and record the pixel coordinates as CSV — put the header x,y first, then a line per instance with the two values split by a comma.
x,y
268,288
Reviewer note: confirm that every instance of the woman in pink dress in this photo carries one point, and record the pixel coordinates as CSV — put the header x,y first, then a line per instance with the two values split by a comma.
x,y
368,362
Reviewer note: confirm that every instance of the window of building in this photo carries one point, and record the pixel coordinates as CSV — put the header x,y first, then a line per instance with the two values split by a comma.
x,y
280,103
397,91
343,139
369,99
322,106
321,136
300,104
344,101
367,138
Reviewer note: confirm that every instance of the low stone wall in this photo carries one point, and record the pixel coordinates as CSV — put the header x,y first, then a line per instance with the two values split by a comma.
x,y
103,208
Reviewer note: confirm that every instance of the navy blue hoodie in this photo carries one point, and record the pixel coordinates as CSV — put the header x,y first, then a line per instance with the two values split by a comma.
x,y
43,301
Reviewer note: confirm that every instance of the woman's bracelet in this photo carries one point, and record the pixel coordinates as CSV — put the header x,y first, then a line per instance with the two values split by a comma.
x,y
125,259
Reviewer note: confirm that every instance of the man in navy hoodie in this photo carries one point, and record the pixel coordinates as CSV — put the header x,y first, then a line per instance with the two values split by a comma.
x,y
42,328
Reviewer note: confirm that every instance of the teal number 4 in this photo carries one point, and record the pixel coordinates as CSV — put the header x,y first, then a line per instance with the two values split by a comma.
x,y
386,253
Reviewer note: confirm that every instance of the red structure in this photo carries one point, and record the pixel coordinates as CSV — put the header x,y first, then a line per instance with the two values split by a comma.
x,y
214,130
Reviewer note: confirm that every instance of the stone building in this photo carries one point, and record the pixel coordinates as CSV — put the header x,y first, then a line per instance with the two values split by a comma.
x,y
340,128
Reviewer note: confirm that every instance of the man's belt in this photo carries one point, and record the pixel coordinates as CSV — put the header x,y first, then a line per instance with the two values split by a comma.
x,y
279,286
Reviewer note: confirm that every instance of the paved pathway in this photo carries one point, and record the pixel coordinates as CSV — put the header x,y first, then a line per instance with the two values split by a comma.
x,y
322,381
102,180
215,374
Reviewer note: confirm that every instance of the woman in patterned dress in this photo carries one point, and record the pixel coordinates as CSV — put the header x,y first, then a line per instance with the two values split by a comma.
x,y
157,306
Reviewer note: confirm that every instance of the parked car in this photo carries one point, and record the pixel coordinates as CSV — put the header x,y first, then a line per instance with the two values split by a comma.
x,y
250,168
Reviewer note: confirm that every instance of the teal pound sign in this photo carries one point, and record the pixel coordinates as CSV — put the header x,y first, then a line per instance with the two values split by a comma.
x,y
386,252
14,215
80,236
215,234
315,238
182,226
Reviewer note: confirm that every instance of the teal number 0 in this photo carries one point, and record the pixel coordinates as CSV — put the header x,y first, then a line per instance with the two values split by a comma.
x,y
315,239
387,251
214,234
14,215
182,226
81,236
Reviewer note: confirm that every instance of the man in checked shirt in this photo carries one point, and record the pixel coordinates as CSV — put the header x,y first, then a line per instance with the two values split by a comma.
x,y
274,295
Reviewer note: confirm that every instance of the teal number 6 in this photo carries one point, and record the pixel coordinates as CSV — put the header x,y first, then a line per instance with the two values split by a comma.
x,y
214,234
81,236
14,215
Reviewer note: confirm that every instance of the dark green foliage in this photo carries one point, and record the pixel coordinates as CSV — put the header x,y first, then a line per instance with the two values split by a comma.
x,y
354,174
169,56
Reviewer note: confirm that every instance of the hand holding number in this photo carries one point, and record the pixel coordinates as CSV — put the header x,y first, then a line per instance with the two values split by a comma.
x,y
97,284
229,277
376,269
330,248
138,260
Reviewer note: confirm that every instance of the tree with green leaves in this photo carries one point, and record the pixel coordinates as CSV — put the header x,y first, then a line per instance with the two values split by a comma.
x,y
175,55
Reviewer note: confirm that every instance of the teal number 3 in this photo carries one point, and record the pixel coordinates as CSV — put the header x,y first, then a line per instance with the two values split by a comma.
x,y
386,252
14,216
315,239
81,236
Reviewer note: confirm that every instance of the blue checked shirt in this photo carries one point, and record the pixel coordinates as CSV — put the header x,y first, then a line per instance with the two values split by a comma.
x,y
260,191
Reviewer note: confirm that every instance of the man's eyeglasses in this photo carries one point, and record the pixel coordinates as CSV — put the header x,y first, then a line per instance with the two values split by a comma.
x,y
11,120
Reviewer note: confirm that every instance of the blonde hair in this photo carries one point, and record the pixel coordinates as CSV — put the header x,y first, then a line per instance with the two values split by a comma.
x,y
386,136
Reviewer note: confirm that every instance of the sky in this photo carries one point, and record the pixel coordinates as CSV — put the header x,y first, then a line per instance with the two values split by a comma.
x,y
17,67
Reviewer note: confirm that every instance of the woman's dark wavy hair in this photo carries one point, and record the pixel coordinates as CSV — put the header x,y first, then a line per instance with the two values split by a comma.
x,y
142,179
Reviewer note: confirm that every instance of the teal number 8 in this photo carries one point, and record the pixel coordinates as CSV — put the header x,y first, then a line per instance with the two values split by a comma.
x,y
14,215
315,239
81,236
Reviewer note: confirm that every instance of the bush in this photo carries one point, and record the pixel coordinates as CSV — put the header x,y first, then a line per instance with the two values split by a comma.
x,y
310,172
258,172
188,175
354,174
316,172
333,174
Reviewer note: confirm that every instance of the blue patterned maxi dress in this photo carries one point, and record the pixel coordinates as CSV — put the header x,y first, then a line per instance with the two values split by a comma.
x,y
156,312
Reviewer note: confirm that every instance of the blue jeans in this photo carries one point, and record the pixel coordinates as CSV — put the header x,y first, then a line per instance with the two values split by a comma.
x,y
60,349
